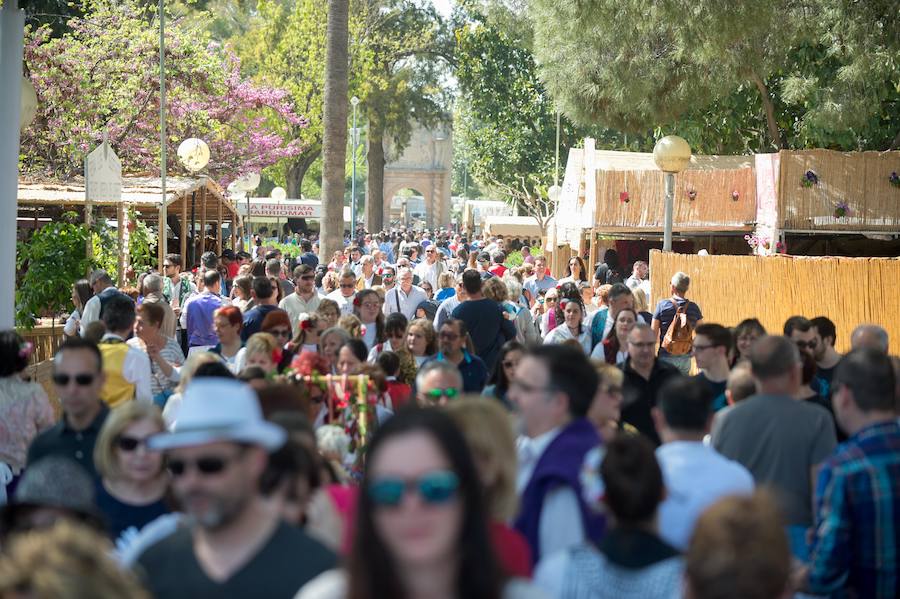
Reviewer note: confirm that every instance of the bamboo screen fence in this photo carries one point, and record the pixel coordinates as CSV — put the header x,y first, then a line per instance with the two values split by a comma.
x,y
713,206
849,291
860,179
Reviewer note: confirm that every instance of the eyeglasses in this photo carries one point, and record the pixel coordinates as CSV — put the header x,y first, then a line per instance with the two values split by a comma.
x,y
371,305
647,345
433,488
348,285
280,332
205,465
168,265
437,394
804,344
130,444
82,380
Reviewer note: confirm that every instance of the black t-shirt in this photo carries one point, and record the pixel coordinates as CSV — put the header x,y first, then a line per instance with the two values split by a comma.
x,y
121,516
487,327
718,391
253,320
285,563
639,396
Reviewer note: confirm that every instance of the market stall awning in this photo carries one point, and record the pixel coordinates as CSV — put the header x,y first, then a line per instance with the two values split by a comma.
x,y
512,226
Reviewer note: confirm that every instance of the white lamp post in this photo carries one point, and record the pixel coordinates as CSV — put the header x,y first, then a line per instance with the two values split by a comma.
x,y
278,194
247,183
354,140
672,155
194,155
29,104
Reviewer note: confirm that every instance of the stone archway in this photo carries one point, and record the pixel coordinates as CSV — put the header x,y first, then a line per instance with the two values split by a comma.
x,y
425,165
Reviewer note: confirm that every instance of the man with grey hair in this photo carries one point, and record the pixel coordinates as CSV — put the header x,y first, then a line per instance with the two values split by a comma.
x,y
102,285
345,294
367,277
153,294
780,440
870,335
437,383
688,316
405,296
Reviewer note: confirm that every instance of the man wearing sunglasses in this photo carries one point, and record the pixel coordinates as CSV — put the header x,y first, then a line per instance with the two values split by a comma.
x,y
305,299
346,292
78,379
437,384
235,545
452,340
802,332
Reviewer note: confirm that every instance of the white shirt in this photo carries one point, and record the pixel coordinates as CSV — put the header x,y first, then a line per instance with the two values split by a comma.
x,y
344,303
370,335
695,476
560,526
445,311
136,370
562,333
429,272
295,305
407,303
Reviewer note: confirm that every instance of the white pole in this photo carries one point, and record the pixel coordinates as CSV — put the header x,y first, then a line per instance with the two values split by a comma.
x,y
556,169
162,240
667,220
12,34
353,141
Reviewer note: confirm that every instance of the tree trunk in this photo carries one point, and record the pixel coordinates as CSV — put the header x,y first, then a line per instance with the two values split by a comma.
x,y
334,139
774,131
297,170
375,182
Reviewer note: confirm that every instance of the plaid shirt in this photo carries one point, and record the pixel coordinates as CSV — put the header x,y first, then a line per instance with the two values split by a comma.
x,y
858,517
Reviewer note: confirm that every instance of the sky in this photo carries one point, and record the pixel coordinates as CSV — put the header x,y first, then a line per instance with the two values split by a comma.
x,y
445,7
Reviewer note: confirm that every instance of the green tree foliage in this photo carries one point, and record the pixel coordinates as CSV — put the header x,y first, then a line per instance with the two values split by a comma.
x,y
50,261
825,72
505,120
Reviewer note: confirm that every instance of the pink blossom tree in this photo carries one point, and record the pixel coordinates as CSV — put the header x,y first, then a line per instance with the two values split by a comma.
x,y
104,74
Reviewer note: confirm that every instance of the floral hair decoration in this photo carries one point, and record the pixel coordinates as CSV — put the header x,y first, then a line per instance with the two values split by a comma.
x,y
277,355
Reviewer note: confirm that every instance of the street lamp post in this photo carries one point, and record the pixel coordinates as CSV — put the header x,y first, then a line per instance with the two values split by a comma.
x,y
354,139
672,155
247,183
194,156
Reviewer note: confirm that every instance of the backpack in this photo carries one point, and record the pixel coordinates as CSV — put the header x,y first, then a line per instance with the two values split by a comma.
x,y
679,339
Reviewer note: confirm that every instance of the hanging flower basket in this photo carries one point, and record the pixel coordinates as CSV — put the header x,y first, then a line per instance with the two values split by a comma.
x,y
735,195
842,210
692,194
809,179
623,197
894,179
781,248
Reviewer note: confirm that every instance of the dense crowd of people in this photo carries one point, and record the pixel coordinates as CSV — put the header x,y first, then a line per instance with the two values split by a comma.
x,y
515,435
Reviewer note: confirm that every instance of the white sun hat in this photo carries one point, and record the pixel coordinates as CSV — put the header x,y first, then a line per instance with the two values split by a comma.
x,y
220,409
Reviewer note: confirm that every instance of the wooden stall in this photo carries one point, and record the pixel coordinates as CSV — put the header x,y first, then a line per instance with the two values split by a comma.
x,y
191,205
849,291
616,200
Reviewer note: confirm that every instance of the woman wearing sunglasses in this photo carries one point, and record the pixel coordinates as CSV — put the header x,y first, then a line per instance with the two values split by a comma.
x,y
498,385
133,481
421,521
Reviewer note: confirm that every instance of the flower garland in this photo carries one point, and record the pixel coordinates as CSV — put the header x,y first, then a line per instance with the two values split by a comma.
x,y
624,198
894,179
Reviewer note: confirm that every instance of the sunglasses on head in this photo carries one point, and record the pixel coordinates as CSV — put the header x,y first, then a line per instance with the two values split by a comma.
x,y
82,380
205,465
433,488
130,443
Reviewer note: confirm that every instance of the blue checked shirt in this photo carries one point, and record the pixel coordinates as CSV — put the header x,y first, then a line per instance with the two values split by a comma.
x,y
855,550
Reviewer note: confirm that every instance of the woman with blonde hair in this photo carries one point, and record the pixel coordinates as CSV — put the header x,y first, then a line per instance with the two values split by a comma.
x,y
264,351
65,561
133,480
421,340
488,430
353,326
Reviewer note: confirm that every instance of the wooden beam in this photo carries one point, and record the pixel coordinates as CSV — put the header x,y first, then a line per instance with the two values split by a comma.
x,y
219,236
184,211
202,220
120,231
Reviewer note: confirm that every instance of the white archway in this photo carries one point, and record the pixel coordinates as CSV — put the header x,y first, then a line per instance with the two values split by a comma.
x,y
425,165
